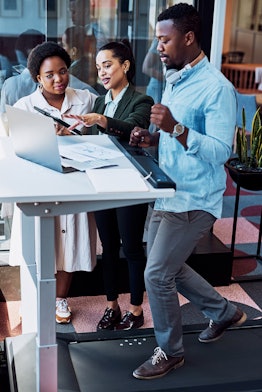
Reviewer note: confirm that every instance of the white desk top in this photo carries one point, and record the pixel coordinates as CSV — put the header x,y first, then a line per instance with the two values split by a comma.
x,y
25,182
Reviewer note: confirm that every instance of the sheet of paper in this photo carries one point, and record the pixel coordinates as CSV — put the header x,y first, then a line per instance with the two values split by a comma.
x,y
92,164
87,151
117,180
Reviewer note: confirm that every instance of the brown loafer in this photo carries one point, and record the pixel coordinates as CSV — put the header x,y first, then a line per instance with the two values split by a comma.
x,y
158,365
130,321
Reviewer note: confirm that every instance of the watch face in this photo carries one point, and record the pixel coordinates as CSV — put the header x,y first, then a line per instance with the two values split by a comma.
x,y
178,130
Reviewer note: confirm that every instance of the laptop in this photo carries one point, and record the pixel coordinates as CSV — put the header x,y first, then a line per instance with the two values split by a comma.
x,y
34,138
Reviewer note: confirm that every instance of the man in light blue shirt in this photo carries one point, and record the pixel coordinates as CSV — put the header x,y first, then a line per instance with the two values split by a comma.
x,y
196,119
204,102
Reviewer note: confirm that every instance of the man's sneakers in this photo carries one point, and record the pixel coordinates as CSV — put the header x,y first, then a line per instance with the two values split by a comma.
x,y
158,365
63,312
215,330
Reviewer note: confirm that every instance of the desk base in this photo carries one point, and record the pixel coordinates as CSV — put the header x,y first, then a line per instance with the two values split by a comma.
x,y
229,365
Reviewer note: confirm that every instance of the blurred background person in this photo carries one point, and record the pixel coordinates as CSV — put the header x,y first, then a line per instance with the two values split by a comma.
x,y
5,65
152,67
25,43
81,15
77,43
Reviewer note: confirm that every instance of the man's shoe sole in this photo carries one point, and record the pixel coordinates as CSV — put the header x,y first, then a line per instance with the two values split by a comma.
x,y
176,366
237,324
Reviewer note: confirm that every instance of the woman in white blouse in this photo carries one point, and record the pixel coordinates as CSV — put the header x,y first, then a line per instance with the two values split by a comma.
x,y
75,235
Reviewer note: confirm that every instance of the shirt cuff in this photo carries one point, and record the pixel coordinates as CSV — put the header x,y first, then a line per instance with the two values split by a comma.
x,y
193,142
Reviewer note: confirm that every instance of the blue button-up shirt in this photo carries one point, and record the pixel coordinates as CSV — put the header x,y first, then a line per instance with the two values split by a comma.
x,y
204,101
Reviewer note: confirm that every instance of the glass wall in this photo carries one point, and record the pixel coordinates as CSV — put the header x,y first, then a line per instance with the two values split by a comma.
x,y
25,23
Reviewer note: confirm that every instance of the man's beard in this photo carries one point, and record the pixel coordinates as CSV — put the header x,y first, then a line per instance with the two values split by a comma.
x,y
172,66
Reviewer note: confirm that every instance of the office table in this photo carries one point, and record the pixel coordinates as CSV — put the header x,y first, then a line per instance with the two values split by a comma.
x,y
42,194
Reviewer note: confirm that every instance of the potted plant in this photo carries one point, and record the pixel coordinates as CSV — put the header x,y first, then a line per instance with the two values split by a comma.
x,y
246,167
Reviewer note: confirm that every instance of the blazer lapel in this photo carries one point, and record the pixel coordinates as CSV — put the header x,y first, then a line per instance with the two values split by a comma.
x,y
100,108
127,97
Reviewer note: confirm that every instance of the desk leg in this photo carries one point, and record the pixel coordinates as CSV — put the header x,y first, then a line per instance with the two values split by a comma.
x,y
28,275
46,347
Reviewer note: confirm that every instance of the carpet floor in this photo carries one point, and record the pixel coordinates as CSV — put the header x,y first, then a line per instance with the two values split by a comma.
x,y
88,310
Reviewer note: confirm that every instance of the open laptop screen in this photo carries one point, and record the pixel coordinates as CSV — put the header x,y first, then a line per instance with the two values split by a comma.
x,y
34,138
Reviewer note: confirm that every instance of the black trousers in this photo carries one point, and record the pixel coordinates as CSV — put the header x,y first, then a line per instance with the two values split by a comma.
x,y
126,225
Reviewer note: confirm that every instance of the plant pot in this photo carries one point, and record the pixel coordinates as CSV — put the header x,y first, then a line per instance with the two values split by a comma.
x,y
250,180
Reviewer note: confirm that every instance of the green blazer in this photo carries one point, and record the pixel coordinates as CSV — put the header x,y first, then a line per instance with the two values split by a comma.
x,y
133,110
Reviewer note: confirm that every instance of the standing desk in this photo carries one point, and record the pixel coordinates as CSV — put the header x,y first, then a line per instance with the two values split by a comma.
x,y
42,194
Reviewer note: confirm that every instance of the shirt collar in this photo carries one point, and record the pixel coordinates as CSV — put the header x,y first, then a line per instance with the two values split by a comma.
x,y
108,97
71,99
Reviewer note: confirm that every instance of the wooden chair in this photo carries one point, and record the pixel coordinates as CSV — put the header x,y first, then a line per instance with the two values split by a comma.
x,y
242,76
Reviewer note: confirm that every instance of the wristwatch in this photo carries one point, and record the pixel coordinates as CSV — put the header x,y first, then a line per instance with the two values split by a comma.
x,y
179,129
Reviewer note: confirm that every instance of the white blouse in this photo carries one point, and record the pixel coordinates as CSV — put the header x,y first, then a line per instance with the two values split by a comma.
x,y
75,234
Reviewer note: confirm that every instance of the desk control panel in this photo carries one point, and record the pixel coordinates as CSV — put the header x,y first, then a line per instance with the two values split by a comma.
x,y
145,163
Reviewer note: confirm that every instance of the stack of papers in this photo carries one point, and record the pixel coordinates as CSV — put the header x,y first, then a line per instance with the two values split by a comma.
x,y
87,155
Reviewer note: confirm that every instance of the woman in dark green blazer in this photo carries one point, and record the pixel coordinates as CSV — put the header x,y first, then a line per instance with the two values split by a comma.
x,y
117,113
133,109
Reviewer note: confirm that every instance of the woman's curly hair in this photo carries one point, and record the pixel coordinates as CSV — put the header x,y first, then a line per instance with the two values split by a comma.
x,y
43,51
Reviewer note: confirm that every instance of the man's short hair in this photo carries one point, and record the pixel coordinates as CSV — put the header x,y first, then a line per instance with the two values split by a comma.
x,y
185,18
